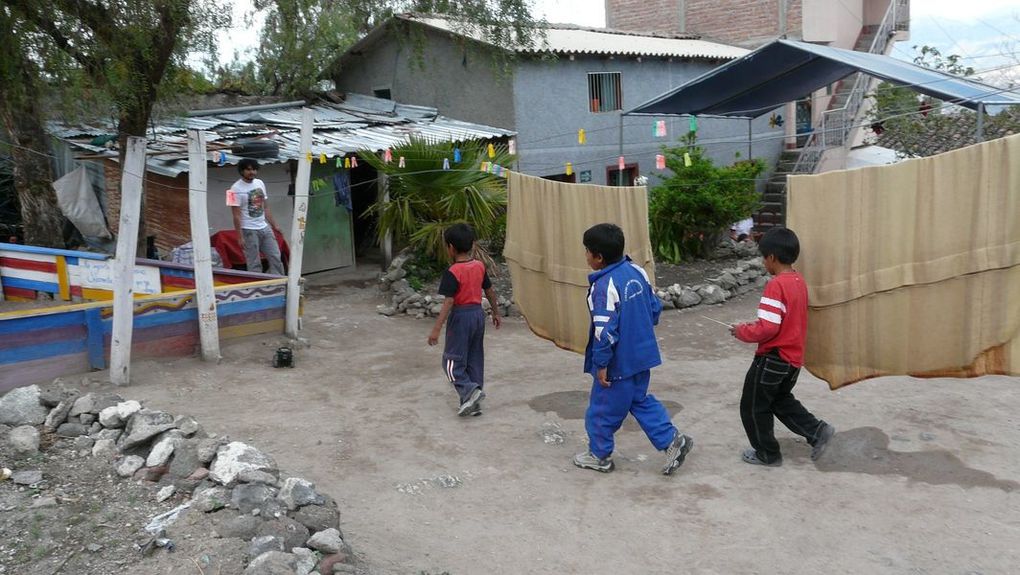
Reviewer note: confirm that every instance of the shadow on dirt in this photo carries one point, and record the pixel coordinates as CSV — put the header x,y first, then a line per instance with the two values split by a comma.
x,y
866,450
572,405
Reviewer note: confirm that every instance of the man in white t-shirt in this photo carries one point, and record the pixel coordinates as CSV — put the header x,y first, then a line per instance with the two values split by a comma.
x,y
253,221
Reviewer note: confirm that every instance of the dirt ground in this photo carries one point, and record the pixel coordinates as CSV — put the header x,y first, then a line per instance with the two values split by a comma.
x,y
921,478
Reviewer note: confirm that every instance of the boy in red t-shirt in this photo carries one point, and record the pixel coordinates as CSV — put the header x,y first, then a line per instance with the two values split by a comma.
x,y
779,332
462,284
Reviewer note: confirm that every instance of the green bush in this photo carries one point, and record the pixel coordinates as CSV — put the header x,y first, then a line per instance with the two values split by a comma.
x,y
688,210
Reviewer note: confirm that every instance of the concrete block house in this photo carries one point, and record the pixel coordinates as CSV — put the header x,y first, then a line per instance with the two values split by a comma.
x,y
572,79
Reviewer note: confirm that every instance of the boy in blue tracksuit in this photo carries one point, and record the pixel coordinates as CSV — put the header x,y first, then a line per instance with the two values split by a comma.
x,y
621,350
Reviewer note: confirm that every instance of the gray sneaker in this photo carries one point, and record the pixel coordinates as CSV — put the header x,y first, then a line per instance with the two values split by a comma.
x,y
750,456
588,461
822,442
677,452
469,404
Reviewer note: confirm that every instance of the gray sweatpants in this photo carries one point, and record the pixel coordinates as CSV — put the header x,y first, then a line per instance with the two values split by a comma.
x,y
464,354
263,241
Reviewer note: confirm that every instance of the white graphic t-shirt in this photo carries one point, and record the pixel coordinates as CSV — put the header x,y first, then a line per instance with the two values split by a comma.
x,y
252,199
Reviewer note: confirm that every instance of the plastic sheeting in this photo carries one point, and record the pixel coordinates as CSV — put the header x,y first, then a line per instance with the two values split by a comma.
x,y
79,204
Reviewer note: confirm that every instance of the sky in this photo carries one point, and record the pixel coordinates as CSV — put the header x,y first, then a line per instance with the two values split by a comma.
x,y
986,33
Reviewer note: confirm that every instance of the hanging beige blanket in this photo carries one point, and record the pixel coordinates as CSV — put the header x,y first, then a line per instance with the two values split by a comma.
x,y
545,223
913,268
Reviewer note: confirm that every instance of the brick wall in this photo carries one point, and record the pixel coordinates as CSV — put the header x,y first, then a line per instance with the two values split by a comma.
x,y
661,16
166,207
733,21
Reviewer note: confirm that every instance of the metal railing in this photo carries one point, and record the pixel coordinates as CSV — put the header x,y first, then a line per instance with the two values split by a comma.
x,y
838,123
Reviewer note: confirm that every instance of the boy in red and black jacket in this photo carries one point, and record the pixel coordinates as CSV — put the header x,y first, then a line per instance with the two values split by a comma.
x,y
780,333
462,284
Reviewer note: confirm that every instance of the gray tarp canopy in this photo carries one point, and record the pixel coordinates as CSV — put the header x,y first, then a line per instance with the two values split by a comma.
x,y
786,70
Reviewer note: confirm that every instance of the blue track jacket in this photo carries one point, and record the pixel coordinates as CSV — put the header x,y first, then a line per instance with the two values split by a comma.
x,y
624,310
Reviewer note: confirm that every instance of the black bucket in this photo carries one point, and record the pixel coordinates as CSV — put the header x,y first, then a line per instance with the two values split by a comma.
x,y
284,357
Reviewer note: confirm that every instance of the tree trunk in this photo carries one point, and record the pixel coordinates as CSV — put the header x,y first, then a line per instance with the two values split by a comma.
x,y
22,120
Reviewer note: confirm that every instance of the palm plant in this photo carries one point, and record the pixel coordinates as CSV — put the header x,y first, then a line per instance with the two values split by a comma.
x,y
426,196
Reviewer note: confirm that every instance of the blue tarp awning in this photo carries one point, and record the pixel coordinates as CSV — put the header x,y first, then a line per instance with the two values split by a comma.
x,y
786,70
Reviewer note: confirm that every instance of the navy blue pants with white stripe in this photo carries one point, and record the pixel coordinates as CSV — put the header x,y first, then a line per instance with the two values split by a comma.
x,y
463,354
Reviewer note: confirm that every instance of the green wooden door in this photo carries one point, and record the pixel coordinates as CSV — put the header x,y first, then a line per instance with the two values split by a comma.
x,y
329,233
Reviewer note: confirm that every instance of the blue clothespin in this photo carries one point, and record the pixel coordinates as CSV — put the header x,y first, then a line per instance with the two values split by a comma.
x,y
456,155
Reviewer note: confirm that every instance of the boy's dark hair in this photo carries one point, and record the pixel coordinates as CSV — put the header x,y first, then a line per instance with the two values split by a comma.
x,y
460,236
605,240
246,163
782,243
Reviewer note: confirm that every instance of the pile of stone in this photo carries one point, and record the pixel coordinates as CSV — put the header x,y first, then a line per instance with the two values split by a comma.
x,y
289,526
745,276
404,299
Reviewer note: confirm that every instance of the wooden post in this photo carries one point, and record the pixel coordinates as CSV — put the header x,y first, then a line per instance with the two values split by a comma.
x,y
387,244
132,175
297,228
205,296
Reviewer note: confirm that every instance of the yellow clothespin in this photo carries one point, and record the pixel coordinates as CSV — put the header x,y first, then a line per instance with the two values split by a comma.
x,y
308,157
687,160
322,158
347,162
492,151
581,137
570,169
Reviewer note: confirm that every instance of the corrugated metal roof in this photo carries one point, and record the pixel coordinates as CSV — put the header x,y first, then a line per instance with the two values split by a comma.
x,y
565,39
359,123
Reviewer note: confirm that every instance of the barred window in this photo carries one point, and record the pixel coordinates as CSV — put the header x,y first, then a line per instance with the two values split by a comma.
x,y
605,93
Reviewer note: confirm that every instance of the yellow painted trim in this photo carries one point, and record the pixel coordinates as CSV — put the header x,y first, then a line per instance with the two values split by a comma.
x,y
96,294
172,289
62,280
268,326
16,298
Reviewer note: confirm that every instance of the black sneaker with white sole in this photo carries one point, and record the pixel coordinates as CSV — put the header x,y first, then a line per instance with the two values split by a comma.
x,y
824,436
677,452
469,404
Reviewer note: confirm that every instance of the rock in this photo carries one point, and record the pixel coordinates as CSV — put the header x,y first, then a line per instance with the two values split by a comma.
x,y
96,427
84,443
188,425
712,294
55,393
87,419
143,426
318,517
186,459
59,413
688,298
211,499
306,559
117,415
152,474
21,407
208,447
24,440
94,403
28,477
250,496
725,280
386,310
329,562
296,492
93,547
272,563
72,430
327,541
234,457
129,465
667,303
255,476
113,434
48,501
104,448
240,526
199,474
293,533
165,493
163,448
263,544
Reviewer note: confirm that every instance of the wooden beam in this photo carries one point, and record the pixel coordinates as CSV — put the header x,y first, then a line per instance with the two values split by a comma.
x,y
208,330
297,228
124,262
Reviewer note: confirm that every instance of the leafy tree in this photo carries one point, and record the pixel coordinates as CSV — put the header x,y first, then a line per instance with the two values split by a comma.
x,y
127,51
301,38
688,209
426,198
21,89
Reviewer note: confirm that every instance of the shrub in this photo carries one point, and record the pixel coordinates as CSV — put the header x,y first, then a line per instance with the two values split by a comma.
x,y
688,210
